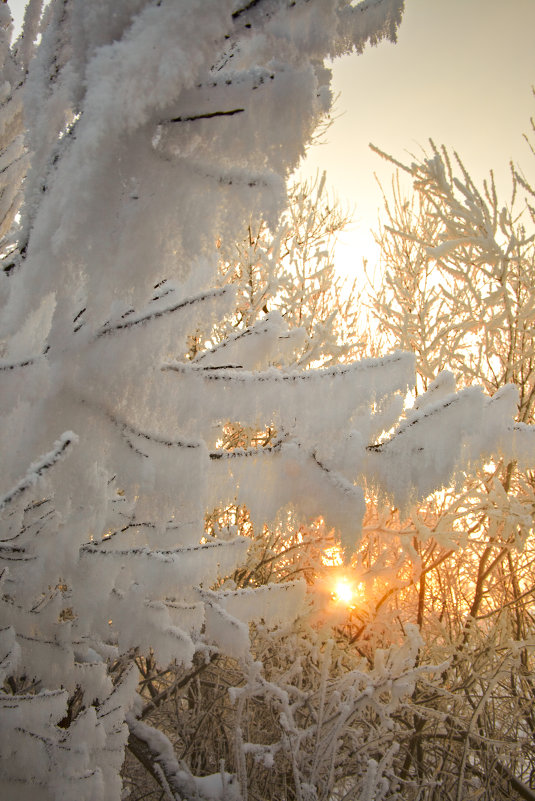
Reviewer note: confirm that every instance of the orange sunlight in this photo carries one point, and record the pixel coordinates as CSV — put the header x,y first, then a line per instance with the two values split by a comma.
x,y
345,591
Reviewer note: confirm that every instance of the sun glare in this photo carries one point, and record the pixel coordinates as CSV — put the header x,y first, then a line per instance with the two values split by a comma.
x,y
343,591
346,592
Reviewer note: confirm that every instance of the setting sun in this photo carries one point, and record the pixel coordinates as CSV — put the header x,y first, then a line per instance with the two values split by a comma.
x,y
346,592
343,591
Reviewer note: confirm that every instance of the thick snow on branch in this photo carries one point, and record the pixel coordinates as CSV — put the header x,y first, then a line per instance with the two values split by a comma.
x,y
296,400
38,468
442,437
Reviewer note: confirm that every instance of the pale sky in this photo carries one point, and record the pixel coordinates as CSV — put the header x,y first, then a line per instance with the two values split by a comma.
x,y
461,73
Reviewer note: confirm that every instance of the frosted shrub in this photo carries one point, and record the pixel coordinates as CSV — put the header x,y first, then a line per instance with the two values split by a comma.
x,y
456,286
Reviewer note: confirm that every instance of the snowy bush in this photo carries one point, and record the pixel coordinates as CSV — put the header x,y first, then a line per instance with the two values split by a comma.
x,y
456,286
137,137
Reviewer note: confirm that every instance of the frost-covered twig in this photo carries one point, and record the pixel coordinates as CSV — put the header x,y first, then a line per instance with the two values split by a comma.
x,y
7,366
38,468
148,316
362,368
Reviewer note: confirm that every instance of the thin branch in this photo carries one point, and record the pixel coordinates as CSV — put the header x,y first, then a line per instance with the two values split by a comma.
x,y
278,376
6,366
110,328
37,469
208,116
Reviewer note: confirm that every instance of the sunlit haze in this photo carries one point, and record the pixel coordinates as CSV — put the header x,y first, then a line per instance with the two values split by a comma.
x,y
461,73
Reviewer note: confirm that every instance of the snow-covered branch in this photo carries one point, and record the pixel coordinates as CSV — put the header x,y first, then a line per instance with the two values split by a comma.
x,y
39,468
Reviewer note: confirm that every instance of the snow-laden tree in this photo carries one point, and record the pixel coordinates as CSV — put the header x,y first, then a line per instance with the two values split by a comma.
x,y
138,138
221,710
457,288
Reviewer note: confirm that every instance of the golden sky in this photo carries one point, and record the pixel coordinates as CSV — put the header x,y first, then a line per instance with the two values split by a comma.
x,y
461,73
